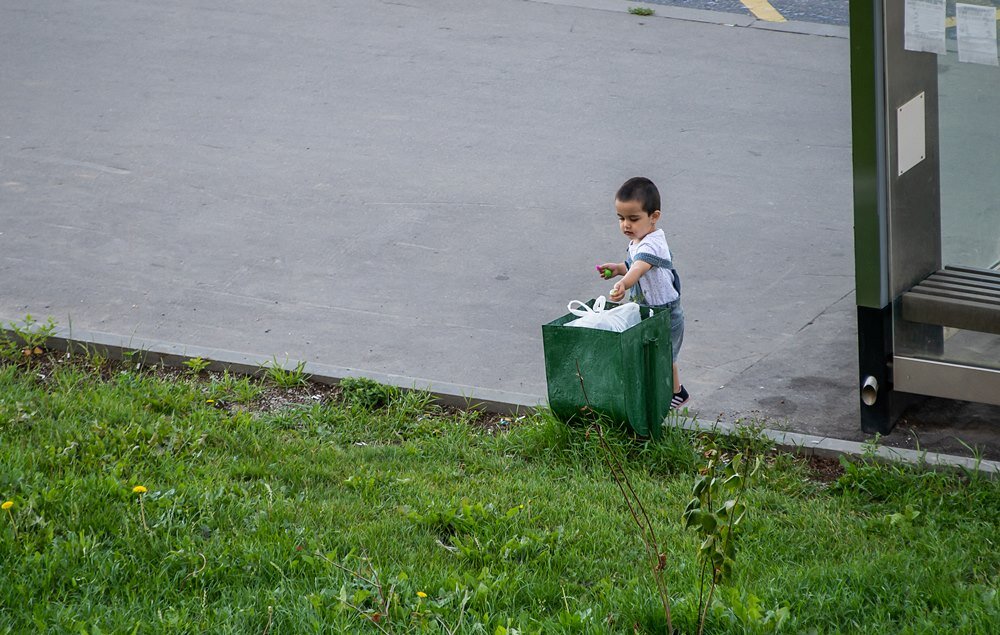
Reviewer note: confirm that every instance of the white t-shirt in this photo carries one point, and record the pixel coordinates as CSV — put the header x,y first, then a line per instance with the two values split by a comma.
x,y
656,286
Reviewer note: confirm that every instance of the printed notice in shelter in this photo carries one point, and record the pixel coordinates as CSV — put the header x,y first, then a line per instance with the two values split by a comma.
x,y
924,21
977,34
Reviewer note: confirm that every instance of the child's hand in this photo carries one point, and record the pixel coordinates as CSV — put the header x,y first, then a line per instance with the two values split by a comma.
x,y
607,270
617,292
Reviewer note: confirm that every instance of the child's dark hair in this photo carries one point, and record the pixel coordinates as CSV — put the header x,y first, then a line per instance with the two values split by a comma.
x,y
641,189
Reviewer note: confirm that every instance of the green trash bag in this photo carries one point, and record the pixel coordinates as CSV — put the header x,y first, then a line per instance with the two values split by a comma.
x,y
628,376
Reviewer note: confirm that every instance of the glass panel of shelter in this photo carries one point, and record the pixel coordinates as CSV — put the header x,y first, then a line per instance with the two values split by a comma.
x,y
969,147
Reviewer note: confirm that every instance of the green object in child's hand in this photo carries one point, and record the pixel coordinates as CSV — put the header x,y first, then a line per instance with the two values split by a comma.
x,y
605,271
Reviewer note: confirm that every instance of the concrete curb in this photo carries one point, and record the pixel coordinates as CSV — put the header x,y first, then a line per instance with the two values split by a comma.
x,y
812,445
173,355
720,18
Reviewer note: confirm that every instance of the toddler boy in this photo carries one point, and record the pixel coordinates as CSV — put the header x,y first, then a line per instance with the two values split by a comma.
x,y
648,272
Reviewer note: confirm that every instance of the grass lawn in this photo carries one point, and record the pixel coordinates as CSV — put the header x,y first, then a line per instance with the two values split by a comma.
x,y
305,510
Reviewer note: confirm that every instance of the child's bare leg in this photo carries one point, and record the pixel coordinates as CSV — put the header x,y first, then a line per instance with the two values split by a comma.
x,y
677,378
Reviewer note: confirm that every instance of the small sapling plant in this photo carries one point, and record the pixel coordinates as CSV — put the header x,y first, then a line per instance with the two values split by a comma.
x,y
196,365
717,507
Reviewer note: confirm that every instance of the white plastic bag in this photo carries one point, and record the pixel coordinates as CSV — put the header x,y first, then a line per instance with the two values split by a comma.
x,y
616,319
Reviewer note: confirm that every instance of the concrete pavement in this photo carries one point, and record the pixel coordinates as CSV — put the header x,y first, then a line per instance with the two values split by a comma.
x,y
412,188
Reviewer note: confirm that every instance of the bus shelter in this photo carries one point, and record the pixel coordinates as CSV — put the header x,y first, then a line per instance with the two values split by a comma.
x,y
926,140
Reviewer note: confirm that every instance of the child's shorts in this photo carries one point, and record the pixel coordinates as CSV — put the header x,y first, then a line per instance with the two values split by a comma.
x,y
676,326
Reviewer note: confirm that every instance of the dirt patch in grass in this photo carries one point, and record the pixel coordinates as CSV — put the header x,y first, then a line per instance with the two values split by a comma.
x,y
824,469
274,398
493,423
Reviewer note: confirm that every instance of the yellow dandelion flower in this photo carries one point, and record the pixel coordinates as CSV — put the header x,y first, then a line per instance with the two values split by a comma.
x,y
6,507
139,489
421,594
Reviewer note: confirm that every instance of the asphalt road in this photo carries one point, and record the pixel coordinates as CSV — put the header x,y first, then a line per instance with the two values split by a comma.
x,y
821,11
415,190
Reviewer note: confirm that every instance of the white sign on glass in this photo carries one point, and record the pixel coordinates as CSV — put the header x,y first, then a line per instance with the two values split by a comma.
x,y
924,30
977,34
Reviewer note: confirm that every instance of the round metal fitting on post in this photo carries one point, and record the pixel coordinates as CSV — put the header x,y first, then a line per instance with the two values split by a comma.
x,y
869,391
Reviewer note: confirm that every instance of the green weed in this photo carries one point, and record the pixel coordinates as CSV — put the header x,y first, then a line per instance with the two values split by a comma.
x,y
276,373
241,390
368,394
643,11
27,339
196,365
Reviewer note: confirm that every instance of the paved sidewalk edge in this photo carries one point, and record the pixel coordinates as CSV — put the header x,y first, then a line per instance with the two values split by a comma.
x,y
812,445
720,18
173,355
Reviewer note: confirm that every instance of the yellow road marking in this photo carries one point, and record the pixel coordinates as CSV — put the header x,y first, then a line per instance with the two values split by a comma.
x,y
762,10
950,22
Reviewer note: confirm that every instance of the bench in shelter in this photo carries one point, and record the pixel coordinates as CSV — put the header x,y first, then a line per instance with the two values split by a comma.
x,y
959,297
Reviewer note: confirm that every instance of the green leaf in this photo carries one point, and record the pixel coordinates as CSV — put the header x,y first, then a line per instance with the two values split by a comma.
x,y
727,508
753,607
708,523
692,517
738,512
699,485
707,545
725,567
730,550
737,461
777,617
360,596
694,504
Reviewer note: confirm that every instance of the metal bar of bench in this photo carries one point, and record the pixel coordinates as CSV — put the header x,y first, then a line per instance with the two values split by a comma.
x,y
949,294
963,314
944,287
965,276
976,282
974,270
956,296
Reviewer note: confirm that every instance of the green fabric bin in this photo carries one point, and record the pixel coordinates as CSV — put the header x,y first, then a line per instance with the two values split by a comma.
x,y
628,376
